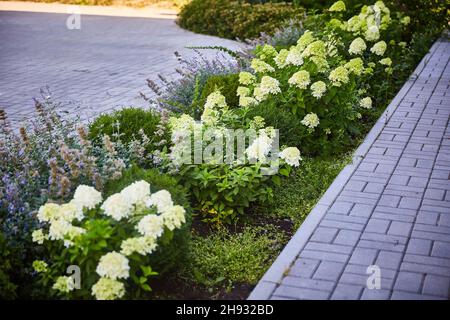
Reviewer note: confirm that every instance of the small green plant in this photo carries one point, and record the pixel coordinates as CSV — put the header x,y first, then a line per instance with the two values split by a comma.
x,y
224,259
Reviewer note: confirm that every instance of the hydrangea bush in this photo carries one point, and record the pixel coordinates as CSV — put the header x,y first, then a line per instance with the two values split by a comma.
x,y
109,240
224,190
324,79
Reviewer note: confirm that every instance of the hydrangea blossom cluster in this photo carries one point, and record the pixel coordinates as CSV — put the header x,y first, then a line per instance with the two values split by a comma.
x,y
311,120
155,213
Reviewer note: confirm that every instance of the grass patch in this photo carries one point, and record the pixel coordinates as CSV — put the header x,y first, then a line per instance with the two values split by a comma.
x,y
224,259
299,193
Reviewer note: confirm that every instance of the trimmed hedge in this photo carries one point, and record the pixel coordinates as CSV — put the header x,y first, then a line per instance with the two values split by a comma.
x,y
167,256
235,19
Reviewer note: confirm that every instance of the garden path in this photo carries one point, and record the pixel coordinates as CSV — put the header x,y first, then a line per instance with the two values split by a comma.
x,y
103,65
388,211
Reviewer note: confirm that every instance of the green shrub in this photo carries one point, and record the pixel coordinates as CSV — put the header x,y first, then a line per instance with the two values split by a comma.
x,y
234,19
125,124
7,265
166,257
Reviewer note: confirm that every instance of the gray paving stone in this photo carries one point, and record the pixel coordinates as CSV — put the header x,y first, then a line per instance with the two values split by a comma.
x,y
346,292
436,286
408,281
419,246
375,294
389,260
400,228
300,293
328,270
347,237
323,234
363,256
377,226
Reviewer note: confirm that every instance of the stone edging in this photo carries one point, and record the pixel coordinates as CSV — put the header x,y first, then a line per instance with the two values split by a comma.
x,y
274,275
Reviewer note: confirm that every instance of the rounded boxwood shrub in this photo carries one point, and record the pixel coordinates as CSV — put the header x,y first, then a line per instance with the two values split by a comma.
x,y
167,256
235,19
126,122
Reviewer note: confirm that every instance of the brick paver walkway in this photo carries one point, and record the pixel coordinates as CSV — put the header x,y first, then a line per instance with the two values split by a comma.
x,y
103,65
391,208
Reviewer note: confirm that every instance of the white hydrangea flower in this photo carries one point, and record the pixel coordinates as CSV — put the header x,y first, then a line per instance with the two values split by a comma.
x,y
64,284
141,245
355,66
162,200
386,62
242,91
306,38
357,46
339,76
292,156
151,225
366,103
372,33
281,57
86,197
300,79
117,207
247,102
294,57
379,48
70,211
113,265
108,289
317,48
174,217
261,66
48,212
38,236
318,88
354,24
311,120
215,99
270,85
246,78
136,193
59,229
184,123
260,148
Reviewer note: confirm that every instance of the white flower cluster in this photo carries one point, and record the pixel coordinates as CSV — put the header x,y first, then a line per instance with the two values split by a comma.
x,y
113,266
267,86
357,46
292,156
300,79
260,147
311,120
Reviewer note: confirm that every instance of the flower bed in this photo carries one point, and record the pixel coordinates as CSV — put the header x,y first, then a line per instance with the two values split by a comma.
x,y
115,199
